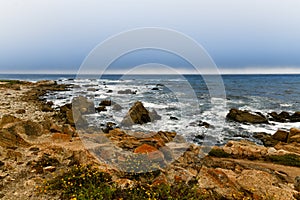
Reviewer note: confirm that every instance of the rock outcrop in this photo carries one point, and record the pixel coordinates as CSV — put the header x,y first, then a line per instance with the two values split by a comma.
x,y
137,114
246,117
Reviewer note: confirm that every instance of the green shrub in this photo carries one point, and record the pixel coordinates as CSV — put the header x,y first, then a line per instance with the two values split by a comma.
x,y
287,159
84,182
219,153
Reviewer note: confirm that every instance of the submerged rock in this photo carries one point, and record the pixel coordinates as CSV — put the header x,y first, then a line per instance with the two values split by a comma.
x,y
246,117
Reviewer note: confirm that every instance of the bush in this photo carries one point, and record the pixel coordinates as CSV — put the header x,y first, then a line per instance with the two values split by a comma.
x,y
287,159
84,182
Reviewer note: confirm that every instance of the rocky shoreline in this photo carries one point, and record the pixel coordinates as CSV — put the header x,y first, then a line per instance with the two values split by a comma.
x,y
39,144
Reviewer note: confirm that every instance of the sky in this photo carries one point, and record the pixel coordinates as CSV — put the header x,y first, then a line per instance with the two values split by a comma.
x,y
241,36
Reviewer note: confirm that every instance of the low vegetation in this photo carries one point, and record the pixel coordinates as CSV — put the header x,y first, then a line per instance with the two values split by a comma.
x,y
287,159
84,182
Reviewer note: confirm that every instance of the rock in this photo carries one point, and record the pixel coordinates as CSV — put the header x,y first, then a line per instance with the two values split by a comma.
x,y
152,153
245,117
55,128
68,129
173,118
160,180
109,126
60,137
105,103
67,113
125,183
200,123
281,135
295,117
272,151
7,119
154,115
117,107
21,111
137,114
145,148
46,83
294,135
262,184
84,105
109,91
30,128
282,117
297,183
101,109
155,88
49,169
127,91
266,139
46,108
91,89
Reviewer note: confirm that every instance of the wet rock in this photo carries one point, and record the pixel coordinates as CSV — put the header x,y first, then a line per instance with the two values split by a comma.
x,y
295,117
245,117
155,88
105,103
280,135
91,89
109,126
282,117
127,91
200,123
101,109
109,91
137,114
154,115
117,107
173,118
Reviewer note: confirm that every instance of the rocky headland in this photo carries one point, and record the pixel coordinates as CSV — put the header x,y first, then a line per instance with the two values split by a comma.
x,y
43,155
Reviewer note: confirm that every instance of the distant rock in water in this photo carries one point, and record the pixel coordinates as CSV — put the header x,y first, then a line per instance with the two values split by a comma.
x,y
154,115
105,103
137,114
127,91
284,117
173,118
244,116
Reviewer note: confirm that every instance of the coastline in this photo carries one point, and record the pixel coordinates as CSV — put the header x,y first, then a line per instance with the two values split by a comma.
x,y
38,144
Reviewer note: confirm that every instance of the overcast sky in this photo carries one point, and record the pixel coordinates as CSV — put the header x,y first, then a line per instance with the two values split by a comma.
x,y
240,35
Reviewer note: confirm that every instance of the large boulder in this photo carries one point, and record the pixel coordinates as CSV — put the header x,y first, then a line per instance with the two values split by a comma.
x,y
281,136
73,117
294,135
137,114
281,117
83,104
243,116
10,138
295,117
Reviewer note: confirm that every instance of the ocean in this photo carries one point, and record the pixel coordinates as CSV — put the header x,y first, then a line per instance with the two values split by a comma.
x,y
184,102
